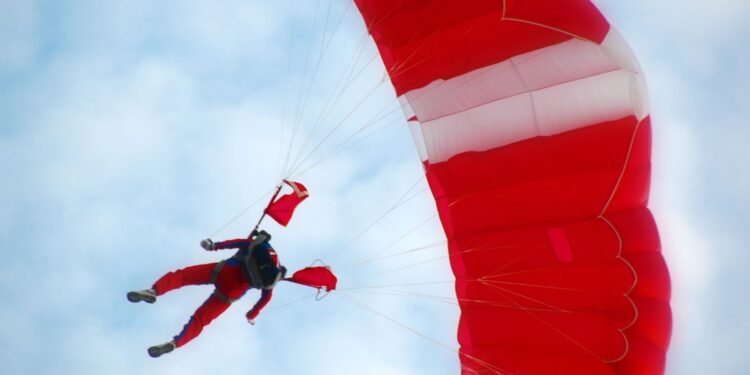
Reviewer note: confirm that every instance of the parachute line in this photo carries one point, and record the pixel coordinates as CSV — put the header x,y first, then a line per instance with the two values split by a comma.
x,y
550,325
494,273
421,283
473,250
330,104
405,252
622,171
406,234
295,123
548,27
453,301
556,308
244,211
447,347
342,122
347,73
324,49
636,313
297,164
343,145
285,305
348,143
281,166
399,202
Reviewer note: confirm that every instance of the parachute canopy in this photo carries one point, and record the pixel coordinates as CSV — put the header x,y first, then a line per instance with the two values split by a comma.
x,y
531,118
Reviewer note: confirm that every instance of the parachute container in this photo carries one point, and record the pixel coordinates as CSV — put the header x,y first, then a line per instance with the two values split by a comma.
x,y
532,121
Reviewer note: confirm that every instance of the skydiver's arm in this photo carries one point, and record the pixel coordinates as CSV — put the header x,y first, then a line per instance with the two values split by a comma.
x,y
231,244
265,297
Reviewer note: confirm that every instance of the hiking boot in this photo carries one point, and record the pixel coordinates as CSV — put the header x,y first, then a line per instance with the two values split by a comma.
x,y
148,295
157,350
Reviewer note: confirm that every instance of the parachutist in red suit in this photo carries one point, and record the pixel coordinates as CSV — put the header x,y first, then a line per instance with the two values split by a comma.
x,y
255,265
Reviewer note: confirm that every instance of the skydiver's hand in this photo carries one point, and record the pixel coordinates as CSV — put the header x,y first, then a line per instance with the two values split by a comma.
x,y
208,245
251,321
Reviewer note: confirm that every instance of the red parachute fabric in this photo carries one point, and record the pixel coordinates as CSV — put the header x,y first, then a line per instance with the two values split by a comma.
x,y
316,277
532,121
282,209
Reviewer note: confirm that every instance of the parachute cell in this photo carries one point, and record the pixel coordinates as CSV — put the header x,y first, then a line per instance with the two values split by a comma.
x,y
531,119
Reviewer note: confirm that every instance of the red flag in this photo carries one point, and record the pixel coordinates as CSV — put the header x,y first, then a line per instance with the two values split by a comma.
x,y
316,277
282,209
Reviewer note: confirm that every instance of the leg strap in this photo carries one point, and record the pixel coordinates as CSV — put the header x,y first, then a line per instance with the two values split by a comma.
x,y
223,297
217,269
215,276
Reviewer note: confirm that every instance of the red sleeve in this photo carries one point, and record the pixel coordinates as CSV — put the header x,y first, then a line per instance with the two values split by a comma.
x,y
231,244
265,297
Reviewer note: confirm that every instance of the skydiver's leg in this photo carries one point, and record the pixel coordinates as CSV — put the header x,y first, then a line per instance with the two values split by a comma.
x,y
193,275
206,313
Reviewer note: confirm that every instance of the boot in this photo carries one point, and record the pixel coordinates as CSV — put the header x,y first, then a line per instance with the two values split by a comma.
x,y
157,350
148,295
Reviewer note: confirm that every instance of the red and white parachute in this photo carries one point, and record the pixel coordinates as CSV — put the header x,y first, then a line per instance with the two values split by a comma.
x,y
532,120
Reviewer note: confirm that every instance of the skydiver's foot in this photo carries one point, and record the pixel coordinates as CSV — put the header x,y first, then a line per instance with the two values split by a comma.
x,y
148,295
157,350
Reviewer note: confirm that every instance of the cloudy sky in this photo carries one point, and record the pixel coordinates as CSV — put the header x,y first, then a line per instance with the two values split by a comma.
x,y
130,130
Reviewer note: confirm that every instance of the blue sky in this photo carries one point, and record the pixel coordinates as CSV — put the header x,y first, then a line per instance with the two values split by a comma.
x,y
130,130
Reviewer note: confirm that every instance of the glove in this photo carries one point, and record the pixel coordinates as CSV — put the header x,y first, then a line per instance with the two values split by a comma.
x,y
208,245
251,321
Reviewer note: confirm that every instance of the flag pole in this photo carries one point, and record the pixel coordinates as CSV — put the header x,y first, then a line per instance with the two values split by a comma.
x,y
273,198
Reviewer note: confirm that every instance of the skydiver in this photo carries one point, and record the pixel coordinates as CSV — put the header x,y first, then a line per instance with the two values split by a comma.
x,y
255,265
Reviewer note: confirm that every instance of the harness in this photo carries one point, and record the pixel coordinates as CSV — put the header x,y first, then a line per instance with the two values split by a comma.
x,y
214,277
260,270
257,267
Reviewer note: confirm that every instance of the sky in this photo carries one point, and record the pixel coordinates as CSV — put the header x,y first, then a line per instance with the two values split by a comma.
x,y
131,130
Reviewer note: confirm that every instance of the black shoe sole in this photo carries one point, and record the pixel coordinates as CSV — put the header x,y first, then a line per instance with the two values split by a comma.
x,y
157,351
137,297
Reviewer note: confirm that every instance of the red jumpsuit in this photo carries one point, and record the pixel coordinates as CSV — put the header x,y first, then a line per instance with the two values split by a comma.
x,y
230,284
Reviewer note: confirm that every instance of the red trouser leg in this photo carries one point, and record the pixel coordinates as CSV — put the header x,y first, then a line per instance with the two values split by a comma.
x,y
207,312
193,275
